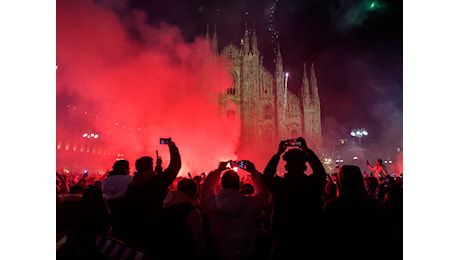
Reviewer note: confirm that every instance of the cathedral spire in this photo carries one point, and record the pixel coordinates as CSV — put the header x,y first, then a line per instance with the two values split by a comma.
x,y
254,40
207,32
305,89
314,85
214,46
246,39
279,60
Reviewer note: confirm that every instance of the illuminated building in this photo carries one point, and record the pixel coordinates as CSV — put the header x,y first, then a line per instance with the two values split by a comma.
x,y
268,110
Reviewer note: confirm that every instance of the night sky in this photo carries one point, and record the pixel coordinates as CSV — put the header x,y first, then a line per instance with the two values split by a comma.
x,y
356,46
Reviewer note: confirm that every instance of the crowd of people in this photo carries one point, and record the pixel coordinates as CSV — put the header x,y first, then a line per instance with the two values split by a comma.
x,y
155,214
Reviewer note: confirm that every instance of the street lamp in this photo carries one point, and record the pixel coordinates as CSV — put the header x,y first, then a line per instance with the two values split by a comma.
x,y
359,133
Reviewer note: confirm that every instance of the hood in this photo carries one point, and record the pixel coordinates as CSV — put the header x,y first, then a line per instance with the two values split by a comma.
x,y
176,197
230,202
115,186
142,177
71,197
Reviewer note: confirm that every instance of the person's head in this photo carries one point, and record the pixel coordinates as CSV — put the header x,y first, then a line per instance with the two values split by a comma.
x,y
230,180
188,186
247,189
350,180
379,162
144,163
296,160
120,167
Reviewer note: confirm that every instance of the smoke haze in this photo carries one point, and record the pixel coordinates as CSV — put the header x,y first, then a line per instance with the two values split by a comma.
x,y
132,83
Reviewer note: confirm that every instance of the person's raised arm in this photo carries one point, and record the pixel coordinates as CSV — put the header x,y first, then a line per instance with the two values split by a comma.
x,y
270,169
370,166
315,163
209,188
170,173
261,193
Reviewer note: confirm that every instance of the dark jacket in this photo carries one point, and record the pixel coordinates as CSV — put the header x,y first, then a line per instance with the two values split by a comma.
x,y
144,200
358,225
297,207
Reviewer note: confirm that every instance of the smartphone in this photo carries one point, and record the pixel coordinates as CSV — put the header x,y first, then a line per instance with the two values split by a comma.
x,y
239,164
293,142
165,140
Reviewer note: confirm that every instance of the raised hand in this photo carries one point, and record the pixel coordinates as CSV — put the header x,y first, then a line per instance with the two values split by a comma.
x,y
282,147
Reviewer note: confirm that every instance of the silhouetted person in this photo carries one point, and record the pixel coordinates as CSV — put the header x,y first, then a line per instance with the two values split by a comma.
x,y
113,191
94,216
297,202
145,195
394,204
233,215
180,225
358,224
68,210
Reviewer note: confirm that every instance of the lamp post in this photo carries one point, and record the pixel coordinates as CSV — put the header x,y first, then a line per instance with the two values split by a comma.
x,y
359,133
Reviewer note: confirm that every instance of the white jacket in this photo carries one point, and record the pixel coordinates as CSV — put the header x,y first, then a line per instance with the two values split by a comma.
x,y
233,218
115,186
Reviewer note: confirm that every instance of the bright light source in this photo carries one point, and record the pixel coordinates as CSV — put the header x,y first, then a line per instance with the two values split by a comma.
x,y
390,161
96,136
355,158
364,132
353,134
85,135
92,135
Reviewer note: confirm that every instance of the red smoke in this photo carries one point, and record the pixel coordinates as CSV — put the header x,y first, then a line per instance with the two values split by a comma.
x,y
126,76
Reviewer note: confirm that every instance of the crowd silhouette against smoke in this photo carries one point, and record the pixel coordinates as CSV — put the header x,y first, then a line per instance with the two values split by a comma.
x,y
122,84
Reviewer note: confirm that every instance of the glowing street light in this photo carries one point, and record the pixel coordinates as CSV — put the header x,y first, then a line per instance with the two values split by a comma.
x,y
359,133
90,135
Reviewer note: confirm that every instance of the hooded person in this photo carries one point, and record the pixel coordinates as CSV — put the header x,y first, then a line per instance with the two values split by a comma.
x,y
233,215
113,192
181,222
117,181
357,223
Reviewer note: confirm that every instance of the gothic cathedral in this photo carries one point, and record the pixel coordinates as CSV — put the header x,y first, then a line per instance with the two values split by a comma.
x,y
269,112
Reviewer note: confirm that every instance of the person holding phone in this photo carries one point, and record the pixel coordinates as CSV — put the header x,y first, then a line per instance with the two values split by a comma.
x,y
144,197
297,202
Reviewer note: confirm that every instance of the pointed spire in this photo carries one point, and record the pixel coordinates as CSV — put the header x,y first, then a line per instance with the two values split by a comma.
x,y
254,39
207,31
246,39
279,60
214,46
314,85
305,89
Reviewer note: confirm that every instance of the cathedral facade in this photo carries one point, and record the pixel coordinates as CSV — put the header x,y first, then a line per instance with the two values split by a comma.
x,y
268,111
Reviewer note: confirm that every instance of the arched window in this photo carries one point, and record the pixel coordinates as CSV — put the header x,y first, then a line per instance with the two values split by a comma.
x,y
268,112
232,90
